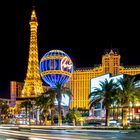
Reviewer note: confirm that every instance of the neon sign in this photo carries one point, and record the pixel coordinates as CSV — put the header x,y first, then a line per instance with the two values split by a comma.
x,y
66,63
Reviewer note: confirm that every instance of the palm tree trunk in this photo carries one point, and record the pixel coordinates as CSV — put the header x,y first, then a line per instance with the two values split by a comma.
x,y
107,117
59,113
46,120
52,116
117,114
124,116
132,110
0,115
26,114
29,115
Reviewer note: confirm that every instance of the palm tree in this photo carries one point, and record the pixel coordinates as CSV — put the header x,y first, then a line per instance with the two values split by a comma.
x,y
50,93
127,93
1,104
43,103
60,90
106,92
27,105
72,116
47,101
3,109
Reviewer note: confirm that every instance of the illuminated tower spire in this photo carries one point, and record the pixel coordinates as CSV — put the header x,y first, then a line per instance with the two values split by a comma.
x,y
33,84
111,62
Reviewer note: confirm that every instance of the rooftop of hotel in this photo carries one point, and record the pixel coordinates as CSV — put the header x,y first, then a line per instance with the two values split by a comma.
x,y
89,68
131,66
111,51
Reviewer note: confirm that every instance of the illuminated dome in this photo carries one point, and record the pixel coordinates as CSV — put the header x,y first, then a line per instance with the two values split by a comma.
x,y
56,67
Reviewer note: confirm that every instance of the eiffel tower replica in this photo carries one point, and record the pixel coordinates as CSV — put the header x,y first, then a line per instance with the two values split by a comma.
x,y
33,84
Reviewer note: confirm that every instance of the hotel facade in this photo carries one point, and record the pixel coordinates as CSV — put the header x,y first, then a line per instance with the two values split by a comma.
x,y
80,80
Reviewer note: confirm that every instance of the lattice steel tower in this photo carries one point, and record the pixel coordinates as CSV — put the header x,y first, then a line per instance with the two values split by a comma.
x,y
33,84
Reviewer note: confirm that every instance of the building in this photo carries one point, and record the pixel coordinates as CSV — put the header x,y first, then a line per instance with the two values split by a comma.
x,y
98,111
15,91
80,80
5,101
33,84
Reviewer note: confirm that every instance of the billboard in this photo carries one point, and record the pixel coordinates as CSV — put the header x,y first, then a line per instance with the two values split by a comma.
x,y
65,100
95,82
99,111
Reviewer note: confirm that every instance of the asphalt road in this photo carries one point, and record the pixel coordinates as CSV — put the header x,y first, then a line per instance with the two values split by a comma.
x,y
43,134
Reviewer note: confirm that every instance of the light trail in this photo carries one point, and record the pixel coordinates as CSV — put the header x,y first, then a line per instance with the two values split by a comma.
x,y
41,136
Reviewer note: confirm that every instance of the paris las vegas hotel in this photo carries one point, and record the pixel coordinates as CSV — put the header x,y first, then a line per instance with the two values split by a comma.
x,y
80,80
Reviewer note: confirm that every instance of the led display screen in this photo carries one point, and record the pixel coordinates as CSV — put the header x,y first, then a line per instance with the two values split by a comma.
x,y
65,100
95,82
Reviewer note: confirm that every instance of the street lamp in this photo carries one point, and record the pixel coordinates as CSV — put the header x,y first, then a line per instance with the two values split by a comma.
x,y
33,108
0,115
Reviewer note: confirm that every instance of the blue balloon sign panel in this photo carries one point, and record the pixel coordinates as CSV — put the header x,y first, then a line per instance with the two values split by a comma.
x,y
56,67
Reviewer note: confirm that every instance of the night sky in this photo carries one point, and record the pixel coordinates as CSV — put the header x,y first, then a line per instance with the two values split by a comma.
x,y
83,29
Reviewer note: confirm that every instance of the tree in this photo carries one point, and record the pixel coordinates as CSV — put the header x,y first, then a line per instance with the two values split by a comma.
x,y
43,103
27,105
46,101
72,116
127,93
59,90
3,109
106,92
50,94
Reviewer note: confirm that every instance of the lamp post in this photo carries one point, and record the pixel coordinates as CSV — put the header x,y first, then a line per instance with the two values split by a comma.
x,y
0,115
29,107
131,111
33,108
37,115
